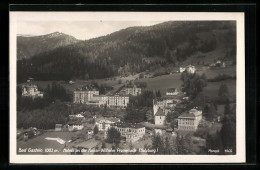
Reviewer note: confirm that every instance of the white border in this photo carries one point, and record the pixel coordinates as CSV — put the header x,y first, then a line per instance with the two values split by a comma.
x,y
134,16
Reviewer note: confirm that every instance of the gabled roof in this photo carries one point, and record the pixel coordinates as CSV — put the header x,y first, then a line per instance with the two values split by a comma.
x,y
187,115
159,112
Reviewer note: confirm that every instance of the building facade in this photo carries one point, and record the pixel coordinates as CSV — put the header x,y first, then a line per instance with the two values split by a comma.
x,y
132,132
84,95
114,101
189,121
105,123
75,126
190,69
31,90
163,103
172,92
133,90
159,117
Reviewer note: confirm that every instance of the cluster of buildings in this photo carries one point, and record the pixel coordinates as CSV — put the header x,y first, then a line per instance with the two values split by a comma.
x,y
75,123
31,90
162,106
105,123
91,96
189,69
187,121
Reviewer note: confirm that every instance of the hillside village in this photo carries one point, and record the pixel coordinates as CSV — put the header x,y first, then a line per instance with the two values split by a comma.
x,y
171,117
165,89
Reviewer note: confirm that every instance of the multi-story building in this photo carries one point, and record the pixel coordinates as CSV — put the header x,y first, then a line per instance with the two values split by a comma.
x,y
84,95
132,132
133,90
31,90
172,92
189,121
105,123
114,101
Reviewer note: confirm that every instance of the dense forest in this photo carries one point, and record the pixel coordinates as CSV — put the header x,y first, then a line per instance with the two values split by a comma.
x,y
131,50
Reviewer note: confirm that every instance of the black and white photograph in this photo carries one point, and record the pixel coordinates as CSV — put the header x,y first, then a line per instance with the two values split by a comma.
x,y
90,87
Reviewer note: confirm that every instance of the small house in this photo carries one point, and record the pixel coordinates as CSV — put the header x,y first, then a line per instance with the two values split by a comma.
x,y
172,92
58,127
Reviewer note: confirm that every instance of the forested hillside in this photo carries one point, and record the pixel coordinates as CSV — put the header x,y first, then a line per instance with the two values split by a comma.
x,y
134,50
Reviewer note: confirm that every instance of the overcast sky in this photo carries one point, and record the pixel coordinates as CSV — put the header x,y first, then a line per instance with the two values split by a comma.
x,y
82,30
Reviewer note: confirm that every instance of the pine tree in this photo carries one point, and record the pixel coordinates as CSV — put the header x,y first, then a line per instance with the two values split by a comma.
x,y
95,130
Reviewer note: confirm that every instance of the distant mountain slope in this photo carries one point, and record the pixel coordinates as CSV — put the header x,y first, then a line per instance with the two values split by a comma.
x,y
28,46
136,49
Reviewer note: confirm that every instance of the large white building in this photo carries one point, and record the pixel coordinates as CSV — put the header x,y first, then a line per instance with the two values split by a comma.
x,y
189,121
84,95
132,132
190,69
114,101
31,90
92,97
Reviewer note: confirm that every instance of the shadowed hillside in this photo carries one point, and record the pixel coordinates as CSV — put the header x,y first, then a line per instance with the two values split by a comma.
x,y
135,49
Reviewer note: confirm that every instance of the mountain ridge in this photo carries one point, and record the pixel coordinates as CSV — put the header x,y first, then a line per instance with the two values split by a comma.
x,y
29,46
135,49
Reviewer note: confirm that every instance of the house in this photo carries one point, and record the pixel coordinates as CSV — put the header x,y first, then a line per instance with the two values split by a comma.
x,y
158,131
75,126
71,82
58,127
190,69
131,132
30,80
159,117
90,131
172,92
104,124
77,117
31,90
189,121
182,69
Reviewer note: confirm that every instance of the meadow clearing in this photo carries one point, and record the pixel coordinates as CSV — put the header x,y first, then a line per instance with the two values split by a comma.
x,y
41,142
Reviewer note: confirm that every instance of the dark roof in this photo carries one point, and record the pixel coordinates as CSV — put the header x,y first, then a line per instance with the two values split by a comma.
x,y
74,123
159,112
187,115
170,90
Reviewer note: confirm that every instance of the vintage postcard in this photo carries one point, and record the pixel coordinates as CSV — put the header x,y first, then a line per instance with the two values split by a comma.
x,y
127,87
